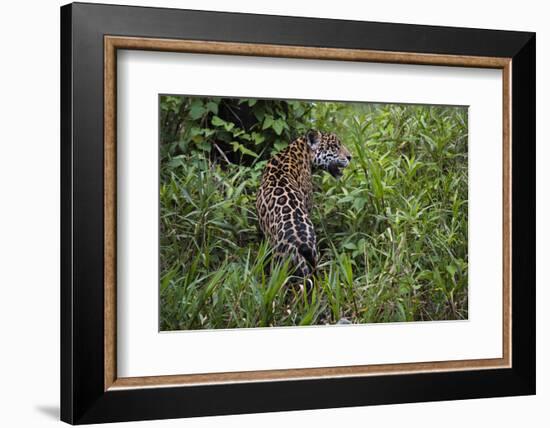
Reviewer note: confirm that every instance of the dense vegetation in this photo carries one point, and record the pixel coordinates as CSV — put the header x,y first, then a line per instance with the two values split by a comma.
x,y
392,232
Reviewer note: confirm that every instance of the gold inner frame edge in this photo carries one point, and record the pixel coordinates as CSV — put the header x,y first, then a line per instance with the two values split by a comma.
x,y
113,43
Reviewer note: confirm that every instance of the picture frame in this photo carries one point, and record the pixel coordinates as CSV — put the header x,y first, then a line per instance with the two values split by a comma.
x,y
91,391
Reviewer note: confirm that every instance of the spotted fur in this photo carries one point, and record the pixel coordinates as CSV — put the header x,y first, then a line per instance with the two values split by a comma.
x,y
285,198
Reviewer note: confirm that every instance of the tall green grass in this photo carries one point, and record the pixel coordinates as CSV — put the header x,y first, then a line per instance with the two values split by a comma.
x,y
392,232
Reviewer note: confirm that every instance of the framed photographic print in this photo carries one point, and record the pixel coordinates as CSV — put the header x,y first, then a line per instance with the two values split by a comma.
x,y
264,213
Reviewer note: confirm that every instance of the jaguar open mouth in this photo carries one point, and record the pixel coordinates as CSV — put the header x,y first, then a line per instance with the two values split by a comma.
x,y
335,170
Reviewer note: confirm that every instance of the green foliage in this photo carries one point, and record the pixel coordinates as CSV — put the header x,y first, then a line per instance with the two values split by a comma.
x,y
232,130
392,232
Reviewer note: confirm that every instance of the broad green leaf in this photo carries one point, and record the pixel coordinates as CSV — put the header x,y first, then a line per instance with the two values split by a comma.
x,y
278,126
217,121
212,106
280,145
268,122
204,145
451,269
196,111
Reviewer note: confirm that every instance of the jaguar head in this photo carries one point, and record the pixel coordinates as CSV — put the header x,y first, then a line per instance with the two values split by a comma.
x,y
328,152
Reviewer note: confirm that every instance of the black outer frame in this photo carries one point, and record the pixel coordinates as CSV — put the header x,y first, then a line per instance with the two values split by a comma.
x,y
83,399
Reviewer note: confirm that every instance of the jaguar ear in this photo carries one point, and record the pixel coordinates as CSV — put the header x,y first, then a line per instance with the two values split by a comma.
x,y
313,138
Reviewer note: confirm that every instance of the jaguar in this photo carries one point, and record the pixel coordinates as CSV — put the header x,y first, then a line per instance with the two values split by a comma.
x,y
285,196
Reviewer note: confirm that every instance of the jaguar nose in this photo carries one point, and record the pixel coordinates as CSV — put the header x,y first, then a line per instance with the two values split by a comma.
x,y
348,157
